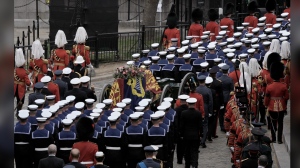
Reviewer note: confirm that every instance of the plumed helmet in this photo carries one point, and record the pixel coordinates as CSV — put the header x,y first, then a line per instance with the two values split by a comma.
x,y
172,20
85,128
19,58
229,8
273,57
276,71
212,14
252,6
197,14
270,5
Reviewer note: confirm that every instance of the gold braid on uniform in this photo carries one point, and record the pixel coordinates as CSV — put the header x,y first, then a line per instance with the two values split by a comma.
x,y
17,78
56,57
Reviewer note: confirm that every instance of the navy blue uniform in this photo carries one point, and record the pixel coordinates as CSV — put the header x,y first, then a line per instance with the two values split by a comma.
x,y
210,59
128,112
63,87
155,69
64,144
184,69
196,64
32,120
22,149
170,71
148,163
157,136
152,53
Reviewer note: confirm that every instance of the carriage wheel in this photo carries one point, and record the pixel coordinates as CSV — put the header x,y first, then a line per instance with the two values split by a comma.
x,y
184,83
167,92
105,92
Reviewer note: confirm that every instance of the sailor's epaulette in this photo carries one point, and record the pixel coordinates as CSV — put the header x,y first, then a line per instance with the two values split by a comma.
x,y
87,48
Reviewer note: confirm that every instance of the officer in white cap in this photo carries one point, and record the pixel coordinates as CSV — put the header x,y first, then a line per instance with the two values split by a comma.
x,y
108,105
144,56
204,69
162,61
66,77
170,70
40,104
89,103
261,27
136,59
146,103
155,68
245,31
79,69
186,67
50,100
204,40
211,55
37,93
90,92
238,48
80,95
194,52
154,50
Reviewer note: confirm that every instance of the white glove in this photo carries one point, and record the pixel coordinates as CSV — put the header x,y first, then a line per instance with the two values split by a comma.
x,y
227,134
232,149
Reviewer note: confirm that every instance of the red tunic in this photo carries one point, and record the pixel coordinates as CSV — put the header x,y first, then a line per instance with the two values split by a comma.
x,y
196,29
232,75
252,20
87,152
54,89
266,79
214,29
171,33
199,103
228,22
288,10
21,80
270,19
276,96
60,59
38,68
84,51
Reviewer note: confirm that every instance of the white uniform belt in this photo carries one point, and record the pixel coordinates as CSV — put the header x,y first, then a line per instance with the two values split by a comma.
x,y
65,148
87,162
21,143
113,148
41,149
159,146
135,145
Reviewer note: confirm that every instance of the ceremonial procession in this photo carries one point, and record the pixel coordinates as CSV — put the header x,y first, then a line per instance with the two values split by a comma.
x,y
166,104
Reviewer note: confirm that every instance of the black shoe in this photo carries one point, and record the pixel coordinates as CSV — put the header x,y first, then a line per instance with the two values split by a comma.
x,y
279,142
216,136
210,140
203,146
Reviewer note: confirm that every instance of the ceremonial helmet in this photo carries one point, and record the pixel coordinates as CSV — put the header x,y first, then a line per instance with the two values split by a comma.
x,y
197,14
85,128
229,9
276,71
212,14
252,6
270,5
172,20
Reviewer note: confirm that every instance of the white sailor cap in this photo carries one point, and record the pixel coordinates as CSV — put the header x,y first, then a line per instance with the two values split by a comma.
x,y
99,154
211,47
247,41
230,55
286,34
71,116
117,110
147,100
195,45
39,101
23,114
230,46
188,38
251,50
67,121
130,63
100,105
276,26
46,114
97,111
221,65
79,105
140,113
76,113
266,43
206,33
60,104
285,14
243,40
89,101
240,28
170,56
75,81
245,24
249,35
262,19
121,105
166,104
237,34
136,55
174,39
143,103
53,109
46,79
254,40
85,79
238,44
226,50
162,53
154,116
255,46
183,97
168,99
171,48
233,60
230,40
134,116
272,36
145,51
219,37
113,118
217,60
278,20
204,64
231,50
70,98
161,108
204,37
263,36
50,97
222,33
95,115
180,50
268,30
191,100
139,108
147,62
208,80
261,24
126,101
115,113
199,43
32,107
155,58
201,51
222,43
160,113
283,38
67,70
223,27
41,119
187,56
243,55
255,30
154,45
107,101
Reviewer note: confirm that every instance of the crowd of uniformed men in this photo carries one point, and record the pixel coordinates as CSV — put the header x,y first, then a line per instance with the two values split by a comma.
x,y
243,81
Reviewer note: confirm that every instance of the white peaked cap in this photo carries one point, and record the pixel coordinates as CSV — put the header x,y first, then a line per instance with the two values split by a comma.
x,y
19,57
37,49
121,105
81,35
67,70
100,105
99,154
67,121
23,114
60,38
134,116
139,108
166,104
97,111
208,80
46,79
79,105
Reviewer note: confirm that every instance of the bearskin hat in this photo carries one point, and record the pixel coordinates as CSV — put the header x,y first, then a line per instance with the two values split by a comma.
x,y
172,20
273,57
252,6
212,14
288,3
270,5
197,14
276,71
229,8
85,128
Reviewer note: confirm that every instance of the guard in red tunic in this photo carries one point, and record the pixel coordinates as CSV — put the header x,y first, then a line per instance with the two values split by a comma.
x,y
227,21
212,25
85,131
171,31
251,19
276,98
270,16
196,29
38,66
21,79
80,48
60,56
